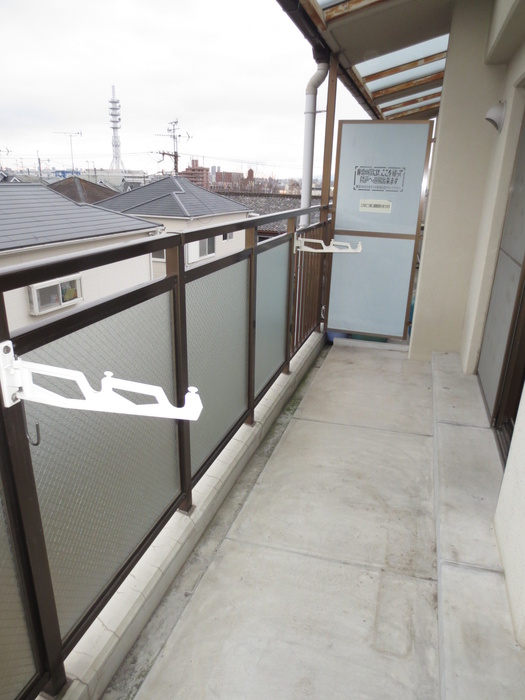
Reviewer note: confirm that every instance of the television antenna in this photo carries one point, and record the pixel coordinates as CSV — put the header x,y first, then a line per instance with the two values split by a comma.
x,y
173,129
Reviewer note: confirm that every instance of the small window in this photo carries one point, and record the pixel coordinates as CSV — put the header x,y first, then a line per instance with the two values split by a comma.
x,y
207,247
227,236
159,255
49,296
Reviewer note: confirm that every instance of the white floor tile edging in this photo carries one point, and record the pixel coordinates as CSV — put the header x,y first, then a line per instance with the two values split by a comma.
x,y
95,660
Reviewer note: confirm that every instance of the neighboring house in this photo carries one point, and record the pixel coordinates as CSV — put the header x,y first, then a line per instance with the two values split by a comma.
x,y
7,177
180,206
38,223
82,191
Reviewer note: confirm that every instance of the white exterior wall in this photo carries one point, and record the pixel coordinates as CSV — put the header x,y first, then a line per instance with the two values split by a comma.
x,y
509,521
462,154
96,283
222,248
493,213
472,172
509,524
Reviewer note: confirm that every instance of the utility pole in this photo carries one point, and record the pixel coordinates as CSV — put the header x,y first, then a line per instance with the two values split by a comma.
x,y
70,134
172,133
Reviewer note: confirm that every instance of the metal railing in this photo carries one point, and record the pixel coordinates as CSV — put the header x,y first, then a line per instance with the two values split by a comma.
x,y
82,507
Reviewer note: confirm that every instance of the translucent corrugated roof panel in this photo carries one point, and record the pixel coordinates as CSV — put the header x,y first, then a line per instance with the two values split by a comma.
x,y
406,82
406,76
424,94
416,52
328,3
405,107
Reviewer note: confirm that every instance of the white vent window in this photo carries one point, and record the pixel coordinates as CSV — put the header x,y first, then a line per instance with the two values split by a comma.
x,y
49,296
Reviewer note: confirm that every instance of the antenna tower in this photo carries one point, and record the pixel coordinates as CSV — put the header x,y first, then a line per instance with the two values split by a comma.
x,y
114,120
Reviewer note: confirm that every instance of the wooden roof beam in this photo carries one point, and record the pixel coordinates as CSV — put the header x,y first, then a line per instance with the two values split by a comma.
x,y
431,111
409,103
409,87
405,66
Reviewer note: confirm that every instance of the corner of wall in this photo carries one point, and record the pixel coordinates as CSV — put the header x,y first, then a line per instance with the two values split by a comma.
x,y
462,158
496,192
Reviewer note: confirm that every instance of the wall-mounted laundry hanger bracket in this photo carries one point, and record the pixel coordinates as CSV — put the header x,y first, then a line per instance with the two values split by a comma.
x,y
304,245
16,377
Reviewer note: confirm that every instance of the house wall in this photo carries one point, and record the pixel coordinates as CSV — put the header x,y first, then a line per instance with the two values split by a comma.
x,y
509,524
472,173
493,213
222,248
461,160
96,283
509,521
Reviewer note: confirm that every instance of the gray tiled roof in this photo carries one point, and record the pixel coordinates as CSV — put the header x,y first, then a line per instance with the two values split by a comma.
x,y
174,197
32,214
80,190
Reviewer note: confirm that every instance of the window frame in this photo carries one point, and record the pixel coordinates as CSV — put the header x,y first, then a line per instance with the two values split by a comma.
x,y
207,254
159,255
36,308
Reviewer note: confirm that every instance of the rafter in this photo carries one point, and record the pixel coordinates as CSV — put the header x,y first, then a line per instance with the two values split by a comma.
x,y
409,103
409,85
441,56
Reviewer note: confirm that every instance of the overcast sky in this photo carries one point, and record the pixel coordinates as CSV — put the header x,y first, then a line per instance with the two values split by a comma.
x,y
232,72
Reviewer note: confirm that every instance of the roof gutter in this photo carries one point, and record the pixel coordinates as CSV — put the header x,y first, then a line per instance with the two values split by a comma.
x,y
153,231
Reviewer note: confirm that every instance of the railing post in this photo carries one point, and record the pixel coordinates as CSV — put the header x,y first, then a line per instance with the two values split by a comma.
x,y
23,511
290,227
326,272
251,243
175,266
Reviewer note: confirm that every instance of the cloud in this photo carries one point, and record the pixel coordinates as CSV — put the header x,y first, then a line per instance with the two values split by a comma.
x,y
232,72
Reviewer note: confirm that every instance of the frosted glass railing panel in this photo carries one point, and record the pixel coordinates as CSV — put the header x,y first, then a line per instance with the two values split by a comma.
x,y
17,665
217,318
270,315
103,479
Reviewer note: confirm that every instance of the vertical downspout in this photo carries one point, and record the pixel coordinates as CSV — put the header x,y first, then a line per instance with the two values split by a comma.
x,y
309,136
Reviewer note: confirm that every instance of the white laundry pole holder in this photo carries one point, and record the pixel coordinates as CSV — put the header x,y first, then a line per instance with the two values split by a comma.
x,y
16,377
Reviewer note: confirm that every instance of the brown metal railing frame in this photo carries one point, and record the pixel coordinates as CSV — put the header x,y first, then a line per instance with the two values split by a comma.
x,y
30,547
251,245
16,471
175,266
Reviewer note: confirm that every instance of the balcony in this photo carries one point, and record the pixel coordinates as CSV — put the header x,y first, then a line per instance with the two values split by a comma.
x,y
361,556
357,559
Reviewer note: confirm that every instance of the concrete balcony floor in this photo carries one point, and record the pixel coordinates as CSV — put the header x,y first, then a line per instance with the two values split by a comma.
x,y
358,561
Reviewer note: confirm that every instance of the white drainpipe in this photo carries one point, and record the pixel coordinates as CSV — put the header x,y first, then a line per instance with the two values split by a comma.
x,y
309,138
